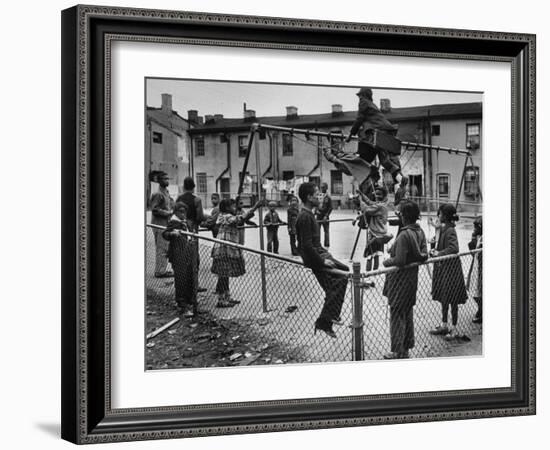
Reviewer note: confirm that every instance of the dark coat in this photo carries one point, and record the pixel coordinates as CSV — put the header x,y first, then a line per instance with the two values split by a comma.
x,y
179,249
409,247
448,279
292,216
369,117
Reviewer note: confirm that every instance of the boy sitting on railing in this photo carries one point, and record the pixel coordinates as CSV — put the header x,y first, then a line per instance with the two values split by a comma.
x,y
183,259
320,261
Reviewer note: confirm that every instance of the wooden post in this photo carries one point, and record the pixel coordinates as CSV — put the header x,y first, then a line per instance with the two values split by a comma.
x,y
462,181
357,321
261,221
245,165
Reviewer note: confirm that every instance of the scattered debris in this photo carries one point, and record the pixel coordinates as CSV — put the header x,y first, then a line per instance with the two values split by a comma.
x,y
235,356
249,359
161,329
279,361
150,345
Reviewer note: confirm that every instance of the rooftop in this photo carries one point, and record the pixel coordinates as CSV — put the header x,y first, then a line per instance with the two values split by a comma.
x,y
441,111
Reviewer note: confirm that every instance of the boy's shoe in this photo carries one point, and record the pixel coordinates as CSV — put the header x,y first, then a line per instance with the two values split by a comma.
x,y
233,301
325,326
396,355
201,289
439,331
477,320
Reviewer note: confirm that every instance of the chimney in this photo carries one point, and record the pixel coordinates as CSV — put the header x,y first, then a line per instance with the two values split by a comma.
x,y
193,116
208,119
337,110
291,112
200,120
249,115
218,117
385,105
166,103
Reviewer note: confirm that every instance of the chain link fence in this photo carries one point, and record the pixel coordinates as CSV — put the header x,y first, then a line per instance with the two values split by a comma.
x,y
448,290
265,313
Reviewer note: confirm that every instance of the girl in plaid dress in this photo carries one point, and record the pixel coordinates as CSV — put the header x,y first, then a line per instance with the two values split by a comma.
x,y
228,261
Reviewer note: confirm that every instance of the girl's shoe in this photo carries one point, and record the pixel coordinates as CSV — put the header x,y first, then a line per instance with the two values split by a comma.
x,y
452,335
439,331
224,304
338,321
224,301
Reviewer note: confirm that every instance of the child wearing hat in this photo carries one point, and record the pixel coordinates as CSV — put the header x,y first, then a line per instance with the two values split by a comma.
x,y
272,221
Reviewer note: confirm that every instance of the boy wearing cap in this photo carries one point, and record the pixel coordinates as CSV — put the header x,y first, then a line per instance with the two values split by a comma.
x,y
370,119
161,210
272,222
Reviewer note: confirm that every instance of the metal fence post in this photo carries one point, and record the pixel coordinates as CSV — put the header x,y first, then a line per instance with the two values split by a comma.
x,y
261,222
357,321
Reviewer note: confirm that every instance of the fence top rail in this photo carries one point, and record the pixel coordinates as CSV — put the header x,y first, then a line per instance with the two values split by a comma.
x,y
386,270
407,145
251,250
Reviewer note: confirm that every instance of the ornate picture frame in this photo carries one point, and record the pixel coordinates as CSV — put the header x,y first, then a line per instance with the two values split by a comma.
x,y
88,33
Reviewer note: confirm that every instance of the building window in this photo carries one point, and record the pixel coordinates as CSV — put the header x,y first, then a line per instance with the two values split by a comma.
x,y
287,145
443,181
473,136
243,146
199,146
336,183
202,187
288,175
157,137
315,180
471,181
436,130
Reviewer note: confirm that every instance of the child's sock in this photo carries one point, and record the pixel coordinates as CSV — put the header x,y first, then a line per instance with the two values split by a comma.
x,y
369,264
376,262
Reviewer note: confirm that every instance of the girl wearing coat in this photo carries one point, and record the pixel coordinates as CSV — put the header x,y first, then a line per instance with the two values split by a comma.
x,y
228,261
448,286
400,286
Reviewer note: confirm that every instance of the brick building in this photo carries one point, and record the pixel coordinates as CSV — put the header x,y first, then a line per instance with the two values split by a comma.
x,y
167,144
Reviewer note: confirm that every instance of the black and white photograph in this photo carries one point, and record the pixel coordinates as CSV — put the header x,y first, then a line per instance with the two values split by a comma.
x,y
289,223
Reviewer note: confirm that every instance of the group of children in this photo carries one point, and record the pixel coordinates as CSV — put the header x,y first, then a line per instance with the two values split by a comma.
x,y
226,222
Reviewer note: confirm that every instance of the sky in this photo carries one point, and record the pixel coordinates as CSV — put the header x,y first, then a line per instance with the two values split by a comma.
x,y
227,98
